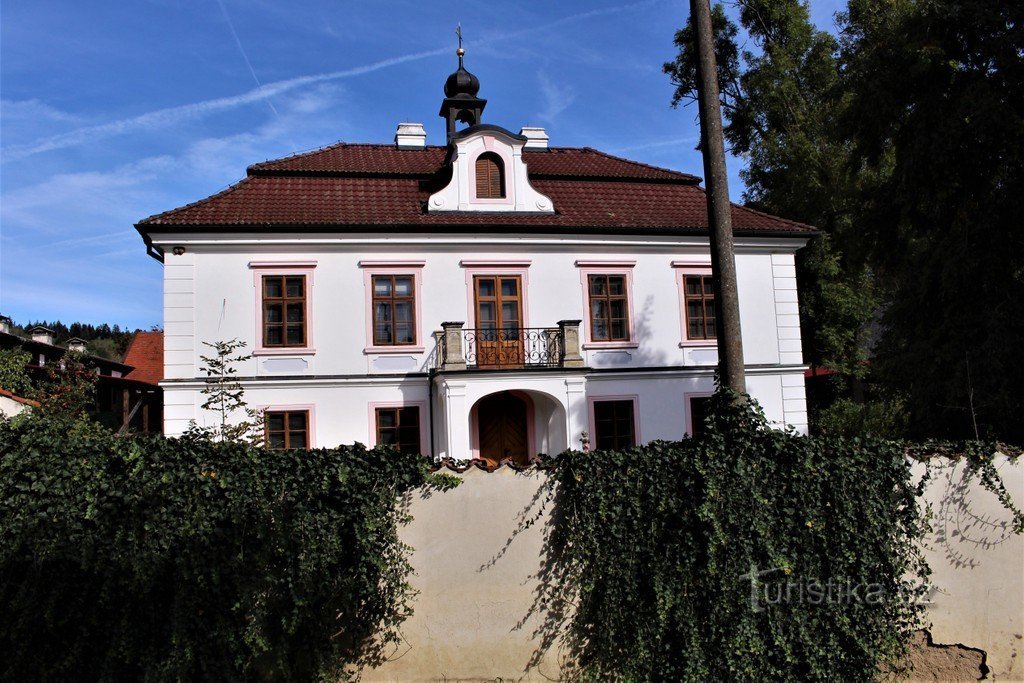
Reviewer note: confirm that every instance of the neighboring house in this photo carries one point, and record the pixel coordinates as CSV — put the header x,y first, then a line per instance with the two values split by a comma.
x,y
121,401
12,404
145,354
494,297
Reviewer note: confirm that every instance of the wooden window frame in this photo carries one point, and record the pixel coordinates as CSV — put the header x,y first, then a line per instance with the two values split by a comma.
x,y
414,269
284,301
393,299
688,408
288,412
262,269
703,298
684,270
418,406
595,436
608,268
499,184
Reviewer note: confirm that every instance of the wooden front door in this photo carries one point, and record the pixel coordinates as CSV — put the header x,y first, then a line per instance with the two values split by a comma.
x,y
499,321
501,421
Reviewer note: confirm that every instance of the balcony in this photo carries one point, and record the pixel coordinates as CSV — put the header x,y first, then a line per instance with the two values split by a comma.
x,y
508,348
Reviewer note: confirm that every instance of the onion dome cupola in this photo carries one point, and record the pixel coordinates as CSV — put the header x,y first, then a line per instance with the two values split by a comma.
x,y
460,101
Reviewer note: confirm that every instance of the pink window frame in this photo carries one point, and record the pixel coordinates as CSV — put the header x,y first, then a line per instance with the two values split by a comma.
x,y
623,268
503,152
496,268
684,268
591,400
421,406
261,268
687,413
310,409
410,268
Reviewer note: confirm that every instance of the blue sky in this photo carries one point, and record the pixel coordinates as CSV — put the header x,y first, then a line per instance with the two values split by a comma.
x,y
113,110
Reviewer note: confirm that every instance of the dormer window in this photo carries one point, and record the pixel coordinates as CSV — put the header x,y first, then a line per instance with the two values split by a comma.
x,y
490,176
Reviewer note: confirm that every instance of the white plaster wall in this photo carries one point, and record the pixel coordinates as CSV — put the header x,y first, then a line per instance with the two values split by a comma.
x,y
216,299
977,565
10,407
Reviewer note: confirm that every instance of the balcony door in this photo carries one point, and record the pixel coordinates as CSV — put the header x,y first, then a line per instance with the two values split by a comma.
x,y
499,321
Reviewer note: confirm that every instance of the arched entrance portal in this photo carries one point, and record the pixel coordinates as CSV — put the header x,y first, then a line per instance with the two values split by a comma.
x,y
503,428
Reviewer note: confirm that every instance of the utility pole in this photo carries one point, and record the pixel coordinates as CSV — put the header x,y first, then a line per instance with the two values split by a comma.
x,y
723,262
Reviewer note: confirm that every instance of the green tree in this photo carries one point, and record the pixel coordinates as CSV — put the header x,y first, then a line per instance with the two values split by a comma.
x,y
780,101
935,93
13,375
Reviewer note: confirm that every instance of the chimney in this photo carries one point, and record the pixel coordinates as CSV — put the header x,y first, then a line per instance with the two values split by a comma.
x,y
5,324
77,345
411,136
536,138
43,335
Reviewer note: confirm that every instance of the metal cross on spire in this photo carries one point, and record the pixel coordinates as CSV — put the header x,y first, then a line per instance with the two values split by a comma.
x,y
460,51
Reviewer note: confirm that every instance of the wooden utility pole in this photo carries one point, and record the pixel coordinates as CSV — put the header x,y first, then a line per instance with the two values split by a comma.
x,y
723,262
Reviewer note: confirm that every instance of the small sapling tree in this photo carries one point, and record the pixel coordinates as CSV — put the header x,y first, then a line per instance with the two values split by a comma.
x,y
225,396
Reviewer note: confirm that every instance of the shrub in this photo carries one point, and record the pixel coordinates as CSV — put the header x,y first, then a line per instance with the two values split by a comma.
x,y
153,559
886,418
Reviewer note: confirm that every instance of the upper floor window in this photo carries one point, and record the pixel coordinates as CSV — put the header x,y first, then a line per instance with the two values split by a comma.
x,y
609,308
287,429
284,311
394,310
490,176
699,294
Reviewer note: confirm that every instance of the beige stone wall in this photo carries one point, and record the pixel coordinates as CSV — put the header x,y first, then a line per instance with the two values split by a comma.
x,y
476,587
977,566
467,616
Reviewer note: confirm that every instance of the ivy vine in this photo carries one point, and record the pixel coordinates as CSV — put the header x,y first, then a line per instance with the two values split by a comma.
x,y
747,554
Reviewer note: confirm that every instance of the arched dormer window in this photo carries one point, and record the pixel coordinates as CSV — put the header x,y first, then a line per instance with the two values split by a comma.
x,y
490,176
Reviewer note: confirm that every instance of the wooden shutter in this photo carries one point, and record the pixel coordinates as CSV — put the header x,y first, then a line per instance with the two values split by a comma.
x,y
489,181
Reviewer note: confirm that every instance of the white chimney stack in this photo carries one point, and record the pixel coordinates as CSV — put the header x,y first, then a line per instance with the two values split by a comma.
x,y
43,335
536,138
411,136
76,344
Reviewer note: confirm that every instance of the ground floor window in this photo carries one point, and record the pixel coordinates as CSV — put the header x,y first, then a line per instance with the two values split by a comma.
x,y
287,429
698,412
614,424
399,428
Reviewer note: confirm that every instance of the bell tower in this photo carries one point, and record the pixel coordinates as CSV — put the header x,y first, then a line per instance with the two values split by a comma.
x,y
460,101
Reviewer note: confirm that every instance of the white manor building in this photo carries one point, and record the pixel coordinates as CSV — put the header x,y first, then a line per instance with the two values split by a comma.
x,y
492,298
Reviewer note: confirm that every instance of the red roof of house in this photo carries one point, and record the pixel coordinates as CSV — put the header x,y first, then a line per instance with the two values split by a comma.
x,y
146,355
19,399
349,187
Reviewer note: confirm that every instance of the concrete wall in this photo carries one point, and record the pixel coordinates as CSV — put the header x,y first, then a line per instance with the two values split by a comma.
x,y
476,588
977,565
474,591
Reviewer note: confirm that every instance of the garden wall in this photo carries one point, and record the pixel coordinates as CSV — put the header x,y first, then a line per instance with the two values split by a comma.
x,y
476,588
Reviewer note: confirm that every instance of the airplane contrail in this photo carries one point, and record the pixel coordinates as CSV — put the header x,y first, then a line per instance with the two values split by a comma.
x,y
238,42
170,115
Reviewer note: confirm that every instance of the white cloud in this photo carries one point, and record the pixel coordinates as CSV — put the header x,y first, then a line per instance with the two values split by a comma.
x,y
556,98
34,110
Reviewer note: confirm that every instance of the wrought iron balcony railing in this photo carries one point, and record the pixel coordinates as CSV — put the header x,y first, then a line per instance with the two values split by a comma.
x,y
508,348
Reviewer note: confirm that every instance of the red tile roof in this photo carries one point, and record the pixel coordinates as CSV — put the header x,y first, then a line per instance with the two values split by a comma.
x,y
19,399
146,355
346,187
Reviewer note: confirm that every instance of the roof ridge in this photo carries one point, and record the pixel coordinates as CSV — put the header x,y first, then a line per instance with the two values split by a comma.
x,y
296,155
689,176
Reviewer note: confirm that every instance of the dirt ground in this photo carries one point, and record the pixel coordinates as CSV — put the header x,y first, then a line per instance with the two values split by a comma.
x,y
930,661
